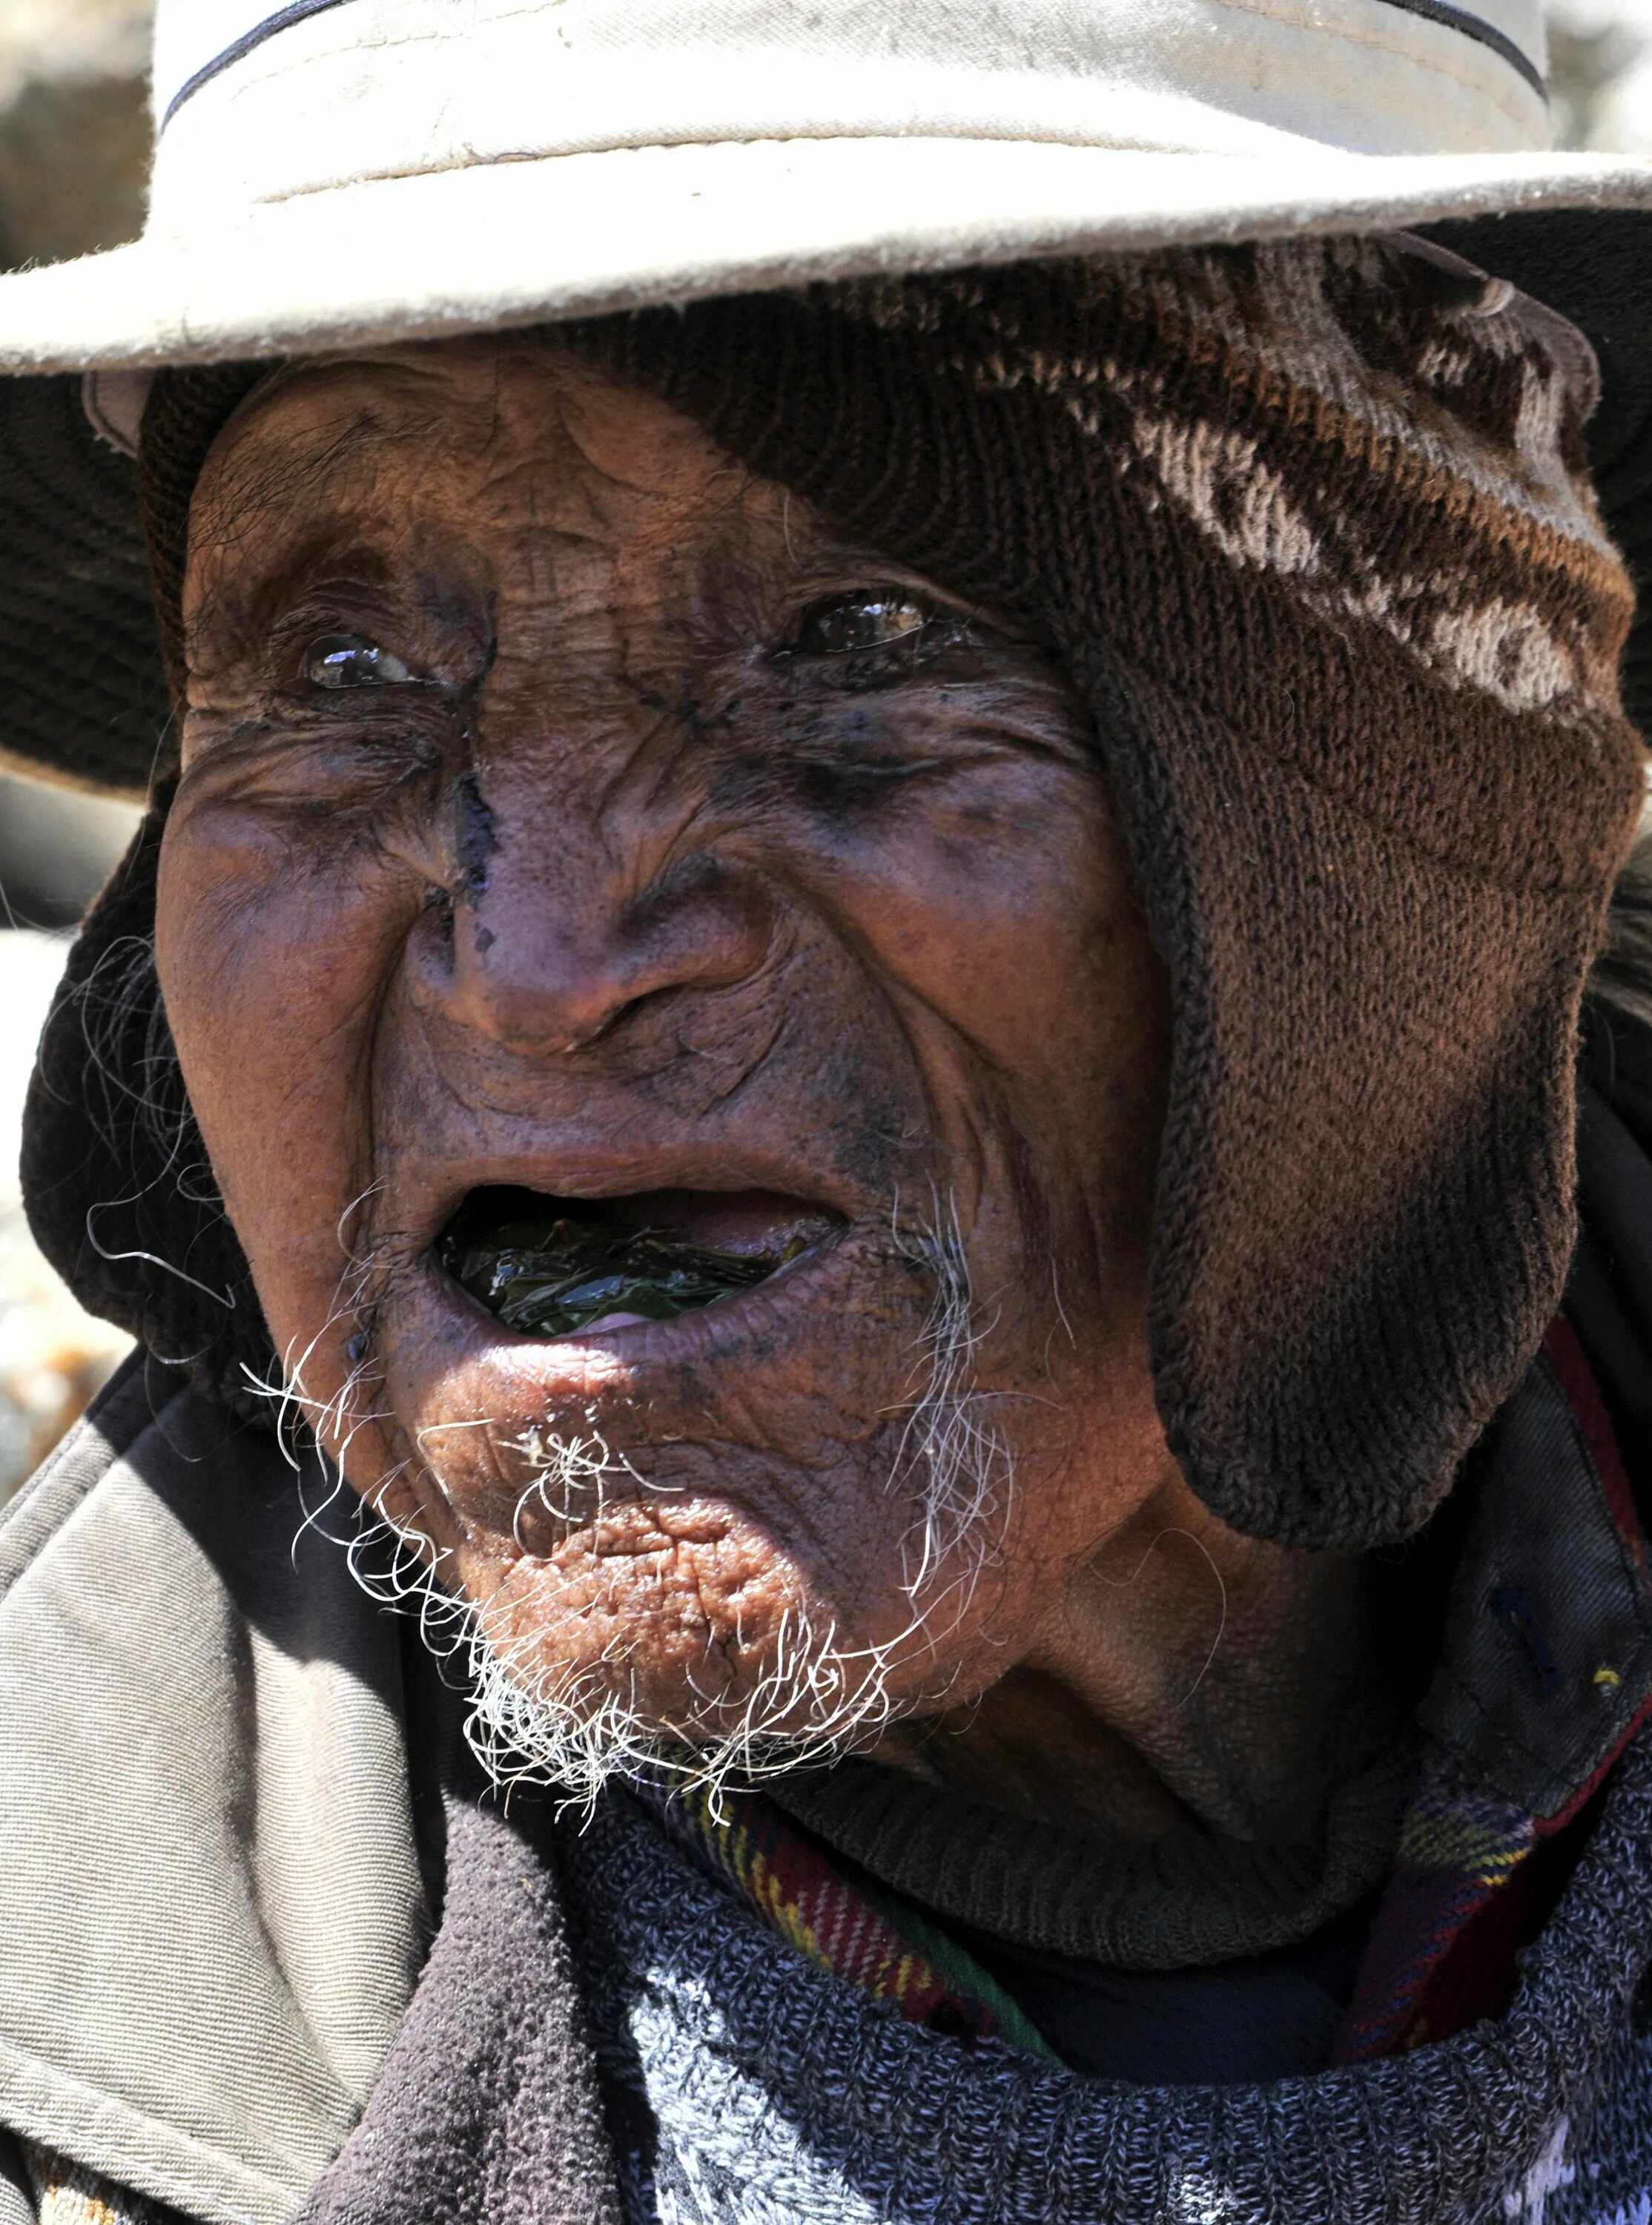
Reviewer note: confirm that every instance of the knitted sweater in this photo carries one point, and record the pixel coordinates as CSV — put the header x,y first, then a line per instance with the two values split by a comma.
x,y
781,2094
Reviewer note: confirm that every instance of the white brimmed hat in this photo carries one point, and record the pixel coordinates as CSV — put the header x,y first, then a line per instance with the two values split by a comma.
x,y
331,174
334,172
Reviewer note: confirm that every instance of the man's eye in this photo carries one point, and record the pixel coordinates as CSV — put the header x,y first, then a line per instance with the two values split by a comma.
x,y
876,619
346,660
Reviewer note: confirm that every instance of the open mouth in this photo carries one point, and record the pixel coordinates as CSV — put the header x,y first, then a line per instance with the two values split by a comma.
x,y
554,1267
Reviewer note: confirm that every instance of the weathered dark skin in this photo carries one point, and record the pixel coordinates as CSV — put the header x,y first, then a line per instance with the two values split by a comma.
x,y
633,887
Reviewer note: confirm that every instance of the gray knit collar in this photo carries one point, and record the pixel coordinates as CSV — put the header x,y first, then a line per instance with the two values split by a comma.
x,y
767,2091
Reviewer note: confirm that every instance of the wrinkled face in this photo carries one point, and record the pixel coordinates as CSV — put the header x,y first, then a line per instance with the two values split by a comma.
x,y
586,859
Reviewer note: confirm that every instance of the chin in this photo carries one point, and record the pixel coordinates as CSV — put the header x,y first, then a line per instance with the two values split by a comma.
x,y
670,1628
696,1652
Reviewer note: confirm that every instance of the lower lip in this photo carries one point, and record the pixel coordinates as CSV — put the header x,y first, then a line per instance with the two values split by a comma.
x,y
619,1347
450,1366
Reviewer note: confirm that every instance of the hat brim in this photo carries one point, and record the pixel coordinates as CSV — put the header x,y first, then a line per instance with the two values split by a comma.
x,y
501,244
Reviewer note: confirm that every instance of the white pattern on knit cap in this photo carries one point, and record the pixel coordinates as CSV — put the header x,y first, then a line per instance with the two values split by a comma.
x,y
1212,471
1523,658
1309,344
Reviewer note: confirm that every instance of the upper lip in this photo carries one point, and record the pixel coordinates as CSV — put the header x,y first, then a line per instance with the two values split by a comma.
x,y
429,1205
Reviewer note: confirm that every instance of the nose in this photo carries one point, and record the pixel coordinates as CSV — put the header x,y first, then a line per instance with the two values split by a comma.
x,y
548,951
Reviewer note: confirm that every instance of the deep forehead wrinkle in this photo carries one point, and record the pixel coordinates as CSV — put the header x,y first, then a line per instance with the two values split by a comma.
x,y
252,469
443,397
408,372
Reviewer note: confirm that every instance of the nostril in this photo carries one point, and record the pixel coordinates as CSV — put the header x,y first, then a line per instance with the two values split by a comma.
x,y
605,1025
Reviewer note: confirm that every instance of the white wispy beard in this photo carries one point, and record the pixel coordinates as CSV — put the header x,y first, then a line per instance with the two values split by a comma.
x,y
820,1697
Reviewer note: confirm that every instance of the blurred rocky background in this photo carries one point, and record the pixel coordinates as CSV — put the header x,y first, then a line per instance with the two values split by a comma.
x,y
74,142
74,125
74,136
53,1356
1600,74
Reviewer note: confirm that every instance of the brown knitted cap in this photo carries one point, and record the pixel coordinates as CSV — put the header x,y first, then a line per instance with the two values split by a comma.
x,y
1309,524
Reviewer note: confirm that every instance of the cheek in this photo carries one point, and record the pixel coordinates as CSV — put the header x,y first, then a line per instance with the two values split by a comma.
x,y
1014,923
1003,901
271,962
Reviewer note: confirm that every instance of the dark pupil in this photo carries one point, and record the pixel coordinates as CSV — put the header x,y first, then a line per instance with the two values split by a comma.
x,y
343,663
862,622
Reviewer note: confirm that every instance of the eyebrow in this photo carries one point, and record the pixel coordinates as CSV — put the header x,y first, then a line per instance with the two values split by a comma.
x,y
238,608
265,486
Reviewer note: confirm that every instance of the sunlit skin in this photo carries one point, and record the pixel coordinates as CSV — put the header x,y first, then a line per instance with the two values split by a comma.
x,y
611,871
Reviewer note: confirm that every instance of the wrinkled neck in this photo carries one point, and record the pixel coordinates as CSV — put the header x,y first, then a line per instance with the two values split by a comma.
x,y
1185,1677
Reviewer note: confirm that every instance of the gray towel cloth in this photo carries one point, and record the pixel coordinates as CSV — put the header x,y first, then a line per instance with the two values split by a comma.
x,y
487,2111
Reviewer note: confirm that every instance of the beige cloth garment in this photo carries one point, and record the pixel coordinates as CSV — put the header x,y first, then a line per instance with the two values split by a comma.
x,y
211,1913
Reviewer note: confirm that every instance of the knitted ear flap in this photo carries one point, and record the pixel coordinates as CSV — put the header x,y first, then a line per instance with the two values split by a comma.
x,y
119,1192
116,1179
1308,522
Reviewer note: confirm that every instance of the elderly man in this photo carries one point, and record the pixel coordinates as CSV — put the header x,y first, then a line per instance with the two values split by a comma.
x,y
848,1027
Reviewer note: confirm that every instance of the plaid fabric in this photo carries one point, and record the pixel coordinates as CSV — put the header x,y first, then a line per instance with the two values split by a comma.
x,y
1461,1856
868,1935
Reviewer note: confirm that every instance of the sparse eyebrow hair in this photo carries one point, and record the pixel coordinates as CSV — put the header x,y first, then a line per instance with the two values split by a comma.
x,y
267,479
266,485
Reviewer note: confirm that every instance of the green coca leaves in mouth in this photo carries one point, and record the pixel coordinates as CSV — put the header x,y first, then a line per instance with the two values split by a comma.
x,y
549,1276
